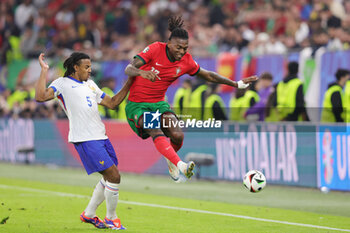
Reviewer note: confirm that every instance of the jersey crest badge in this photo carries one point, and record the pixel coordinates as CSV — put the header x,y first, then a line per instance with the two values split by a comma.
x,y
92,88
178,70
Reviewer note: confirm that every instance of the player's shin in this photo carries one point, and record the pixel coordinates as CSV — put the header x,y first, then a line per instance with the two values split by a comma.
x,y
112,195
164,147
96,199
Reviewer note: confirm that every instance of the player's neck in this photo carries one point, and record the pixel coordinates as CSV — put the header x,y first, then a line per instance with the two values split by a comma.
x,y
75,77
170,57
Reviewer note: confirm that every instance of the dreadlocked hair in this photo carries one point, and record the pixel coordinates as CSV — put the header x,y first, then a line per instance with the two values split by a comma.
x,y
175,26
73,60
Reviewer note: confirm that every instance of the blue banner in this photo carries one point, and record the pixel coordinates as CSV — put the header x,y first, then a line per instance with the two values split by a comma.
x,y
273,64
334,157
285,153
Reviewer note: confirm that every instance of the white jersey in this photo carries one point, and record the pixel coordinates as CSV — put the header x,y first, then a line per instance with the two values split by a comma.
x,y
80,102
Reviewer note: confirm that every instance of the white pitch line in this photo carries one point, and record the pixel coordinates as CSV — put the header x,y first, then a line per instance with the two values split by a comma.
x,y
62,194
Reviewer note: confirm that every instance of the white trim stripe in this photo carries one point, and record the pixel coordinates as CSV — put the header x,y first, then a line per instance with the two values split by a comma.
x,y
62,194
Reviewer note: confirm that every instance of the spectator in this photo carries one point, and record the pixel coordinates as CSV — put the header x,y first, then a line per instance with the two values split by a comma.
x,y
290,96
182,100
333,104
64,18
264,89
334,32
28,40
24,13
242,102
214,106
237,106
346,99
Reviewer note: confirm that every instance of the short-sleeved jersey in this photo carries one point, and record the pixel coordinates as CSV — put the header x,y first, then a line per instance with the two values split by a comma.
x,y
155,58
79,101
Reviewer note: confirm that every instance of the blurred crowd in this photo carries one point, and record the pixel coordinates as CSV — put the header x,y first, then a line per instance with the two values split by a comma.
x,y
119,29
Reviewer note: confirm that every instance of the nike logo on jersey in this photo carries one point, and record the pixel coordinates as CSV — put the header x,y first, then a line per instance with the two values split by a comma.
x,y
74,86
158,64
102,162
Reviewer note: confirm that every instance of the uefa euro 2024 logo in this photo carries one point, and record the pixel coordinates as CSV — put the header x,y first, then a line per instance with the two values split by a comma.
x,y
151,120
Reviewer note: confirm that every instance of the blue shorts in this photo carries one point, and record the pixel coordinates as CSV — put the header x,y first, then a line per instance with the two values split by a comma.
x,y
96,155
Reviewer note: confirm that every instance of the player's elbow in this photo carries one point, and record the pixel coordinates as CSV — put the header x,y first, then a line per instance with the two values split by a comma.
x,y
112,104
129,70
126,71
211,76
39,98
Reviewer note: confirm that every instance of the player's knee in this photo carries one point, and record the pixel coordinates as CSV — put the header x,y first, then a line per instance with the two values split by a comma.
x,y
115,178
112,175
177,137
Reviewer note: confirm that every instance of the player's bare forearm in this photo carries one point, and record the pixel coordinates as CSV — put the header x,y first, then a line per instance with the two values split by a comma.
x,y
133,68
132,71
120,96
41,92
213,77
217,78
41,86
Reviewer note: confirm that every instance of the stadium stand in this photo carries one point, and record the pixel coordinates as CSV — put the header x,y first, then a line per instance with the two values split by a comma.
x,y
117,30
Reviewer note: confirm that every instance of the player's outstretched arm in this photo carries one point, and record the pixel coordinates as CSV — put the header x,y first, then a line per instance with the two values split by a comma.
x,y
41,92
214,77
113,102
133,70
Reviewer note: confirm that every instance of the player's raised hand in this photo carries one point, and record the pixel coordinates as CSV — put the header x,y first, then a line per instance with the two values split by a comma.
x,y
149,75
244,83
42,62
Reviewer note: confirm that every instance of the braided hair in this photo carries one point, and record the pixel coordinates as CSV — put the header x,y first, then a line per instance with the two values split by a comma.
x,y
175,26
73,60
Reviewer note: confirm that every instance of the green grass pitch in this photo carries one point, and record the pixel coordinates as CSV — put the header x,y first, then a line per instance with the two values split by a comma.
x,y
40,199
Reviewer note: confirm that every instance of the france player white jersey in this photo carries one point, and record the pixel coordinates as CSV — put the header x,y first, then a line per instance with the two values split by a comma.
x,y
80,102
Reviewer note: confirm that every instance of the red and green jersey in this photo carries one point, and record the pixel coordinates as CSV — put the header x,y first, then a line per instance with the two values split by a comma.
x,y
155,58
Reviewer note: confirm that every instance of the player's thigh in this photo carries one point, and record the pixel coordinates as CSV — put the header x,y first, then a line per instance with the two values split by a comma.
x,y
134,113
94,155
111,152
171,127
151,132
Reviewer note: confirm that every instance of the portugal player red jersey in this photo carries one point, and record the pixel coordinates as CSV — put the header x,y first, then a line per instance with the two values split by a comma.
x,y
156,59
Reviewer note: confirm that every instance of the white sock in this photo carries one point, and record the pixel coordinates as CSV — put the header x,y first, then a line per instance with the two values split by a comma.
x,y
96,199
112,196
182,166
